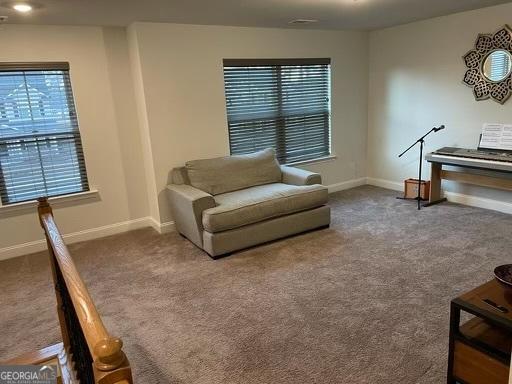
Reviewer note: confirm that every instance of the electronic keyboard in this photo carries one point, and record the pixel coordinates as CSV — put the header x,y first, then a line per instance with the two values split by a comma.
x,y
473,158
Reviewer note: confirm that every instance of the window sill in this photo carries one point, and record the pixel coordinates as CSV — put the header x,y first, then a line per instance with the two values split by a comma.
x,y
314,161
54,201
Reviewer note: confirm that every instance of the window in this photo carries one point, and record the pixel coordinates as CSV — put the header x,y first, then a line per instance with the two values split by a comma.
x,y
283,104
500,64
40,146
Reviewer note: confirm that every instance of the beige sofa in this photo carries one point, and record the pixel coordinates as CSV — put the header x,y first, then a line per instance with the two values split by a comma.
x,y
234,202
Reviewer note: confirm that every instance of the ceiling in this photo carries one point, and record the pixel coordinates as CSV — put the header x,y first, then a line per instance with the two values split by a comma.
x,y
331,14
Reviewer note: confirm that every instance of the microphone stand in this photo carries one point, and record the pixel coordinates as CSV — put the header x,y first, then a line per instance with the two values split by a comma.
x,y
421,140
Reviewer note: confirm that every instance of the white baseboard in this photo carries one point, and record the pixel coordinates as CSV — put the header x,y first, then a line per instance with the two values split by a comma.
x,y
88,234
167,227
480,202
346,185
473,201
162,228
387,184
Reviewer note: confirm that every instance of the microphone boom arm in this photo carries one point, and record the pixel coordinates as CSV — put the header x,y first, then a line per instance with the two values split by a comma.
x,y
422,138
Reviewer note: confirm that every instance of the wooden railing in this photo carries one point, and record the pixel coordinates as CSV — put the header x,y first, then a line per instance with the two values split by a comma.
x,y
97,357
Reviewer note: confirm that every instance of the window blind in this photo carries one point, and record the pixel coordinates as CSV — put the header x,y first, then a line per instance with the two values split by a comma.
x,y
500,64
281,104
40,147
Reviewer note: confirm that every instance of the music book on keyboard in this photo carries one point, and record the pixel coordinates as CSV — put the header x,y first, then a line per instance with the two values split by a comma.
x,y
496,137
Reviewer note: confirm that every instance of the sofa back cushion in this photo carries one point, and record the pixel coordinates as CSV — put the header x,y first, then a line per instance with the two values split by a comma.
x,y
180,176
231,173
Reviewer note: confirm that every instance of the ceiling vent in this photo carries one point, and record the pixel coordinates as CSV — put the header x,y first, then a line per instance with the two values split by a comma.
x,y
303,21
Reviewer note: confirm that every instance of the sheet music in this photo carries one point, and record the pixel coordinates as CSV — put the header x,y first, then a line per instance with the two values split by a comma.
x,y
496,136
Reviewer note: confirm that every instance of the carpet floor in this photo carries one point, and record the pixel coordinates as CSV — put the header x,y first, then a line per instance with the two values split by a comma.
x,y
365,301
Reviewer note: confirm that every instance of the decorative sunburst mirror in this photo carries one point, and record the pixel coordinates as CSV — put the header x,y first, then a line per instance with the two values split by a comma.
x,y
489,66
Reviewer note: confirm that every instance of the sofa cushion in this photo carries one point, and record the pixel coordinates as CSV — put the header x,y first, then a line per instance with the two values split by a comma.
x,y
255,204
180,176
231,173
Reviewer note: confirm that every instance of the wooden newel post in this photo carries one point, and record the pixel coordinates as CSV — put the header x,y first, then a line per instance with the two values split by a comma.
x,y
110,363
109,354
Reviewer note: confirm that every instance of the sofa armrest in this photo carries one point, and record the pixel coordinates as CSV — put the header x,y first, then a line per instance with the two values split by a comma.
x,y
297,176
187,206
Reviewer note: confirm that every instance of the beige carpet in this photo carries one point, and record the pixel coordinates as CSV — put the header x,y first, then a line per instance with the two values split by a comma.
x,y
365,301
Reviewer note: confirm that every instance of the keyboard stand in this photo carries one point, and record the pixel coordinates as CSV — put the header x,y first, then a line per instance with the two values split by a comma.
x,y
434,202
500,169
435,185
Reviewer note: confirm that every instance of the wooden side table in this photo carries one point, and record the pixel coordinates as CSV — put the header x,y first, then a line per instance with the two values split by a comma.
x,y
479,349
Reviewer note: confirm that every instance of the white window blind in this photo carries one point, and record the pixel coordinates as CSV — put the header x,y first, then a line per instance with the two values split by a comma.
x,y
281,104
40,146
500,64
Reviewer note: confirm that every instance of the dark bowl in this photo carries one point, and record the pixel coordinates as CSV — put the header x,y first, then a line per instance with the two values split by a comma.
x,y
503,274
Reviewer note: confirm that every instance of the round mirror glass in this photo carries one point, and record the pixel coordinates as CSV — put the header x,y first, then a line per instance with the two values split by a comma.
x,y
497,65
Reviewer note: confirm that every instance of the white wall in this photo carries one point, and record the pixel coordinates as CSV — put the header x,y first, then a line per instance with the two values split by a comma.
x,y
179,71
416,73
101,80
